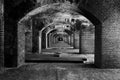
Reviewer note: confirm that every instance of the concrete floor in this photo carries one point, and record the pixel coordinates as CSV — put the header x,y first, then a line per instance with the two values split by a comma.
x,y
60,47
63,57
68,50
60,44
60,71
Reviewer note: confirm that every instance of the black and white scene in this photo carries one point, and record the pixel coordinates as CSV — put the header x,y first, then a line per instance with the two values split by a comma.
x,y
59,39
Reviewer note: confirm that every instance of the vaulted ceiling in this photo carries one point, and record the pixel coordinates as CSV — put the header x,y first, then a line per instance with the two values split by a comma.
x,y
58,15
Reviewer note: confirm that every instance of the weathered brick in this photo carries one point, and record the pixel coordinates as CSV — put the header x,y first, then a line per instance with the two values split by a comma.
x,y
1,37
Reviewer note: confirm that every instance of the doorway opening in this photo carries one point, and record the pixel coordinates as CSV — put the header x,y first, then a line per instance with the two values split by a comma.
x,y
64,36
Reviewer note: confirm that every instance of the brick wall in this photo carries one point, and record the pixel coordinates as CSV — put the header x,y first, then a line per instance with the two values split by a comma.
x,y
108,12
21,45
1,37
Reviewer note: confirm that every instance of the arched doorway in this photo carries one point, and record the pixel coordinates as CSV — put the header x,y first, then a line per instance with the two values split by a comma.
x,y
82,21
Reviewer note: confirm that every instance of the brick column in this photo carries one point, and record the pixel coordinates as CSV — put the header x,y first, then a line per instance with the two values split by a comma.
x,y
21,45
71,40
108,44
1,38
76,40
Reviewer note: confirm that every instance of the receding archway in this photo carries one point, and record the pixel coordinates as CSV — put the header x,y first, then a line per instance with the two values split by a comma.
x,y
81,11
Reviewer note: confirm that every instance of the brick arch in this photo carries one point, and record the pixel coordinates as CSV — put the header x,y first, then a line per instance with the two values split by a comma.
x,y
82,11
98,31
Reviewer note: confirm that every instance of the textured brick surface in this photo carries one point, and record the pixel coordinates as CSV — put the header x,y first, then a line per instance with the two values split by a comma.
x,y
28,42
76,40
21,45
107,12
87,42
1,37
111,41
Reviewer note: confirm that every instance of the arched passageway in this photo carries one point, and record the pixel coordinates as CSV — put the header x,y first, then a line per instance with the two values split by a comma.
x,y
57,30
106,30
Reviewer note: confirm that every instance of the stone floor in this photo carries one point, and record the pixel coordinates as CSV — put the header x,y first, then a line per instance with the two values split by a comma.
x,y
63,57
60,71
68,50
60,44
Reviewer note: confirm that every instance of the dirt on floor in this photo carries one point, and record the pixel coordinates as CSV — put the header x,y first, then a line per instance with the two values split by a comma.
x,y
60,71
